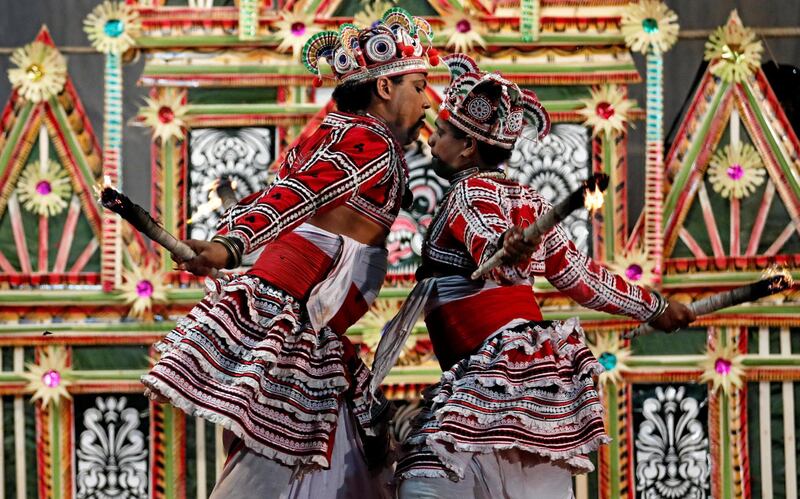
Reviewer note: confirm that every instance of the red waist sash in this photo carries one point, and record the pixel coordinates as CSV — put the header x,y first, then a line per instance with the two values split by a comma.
x,y
293,264
459,327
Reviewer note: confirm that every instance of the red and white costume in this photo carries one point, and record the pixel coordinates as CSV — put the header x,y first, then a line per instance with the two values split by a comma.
x,y
516,410
511,381
264,354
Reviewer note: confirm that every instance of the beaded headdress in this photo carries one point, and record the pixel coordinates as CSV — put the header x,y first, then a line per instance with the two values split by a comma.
x,y
488,107
395,45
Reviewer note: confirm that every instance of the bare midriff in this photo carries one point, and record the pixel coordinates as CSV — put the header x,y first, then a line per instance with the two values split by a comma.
x,y
348,222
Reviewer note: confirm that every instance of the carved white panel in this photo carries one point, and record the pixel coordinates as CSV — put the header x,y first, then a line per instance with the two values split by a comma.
x,y
672,451
242,155
556,166
112,451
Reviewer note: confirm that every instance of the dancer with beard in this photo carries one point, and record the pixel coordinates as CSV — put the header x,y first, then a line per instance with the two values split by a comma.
x,y
264,353
516,411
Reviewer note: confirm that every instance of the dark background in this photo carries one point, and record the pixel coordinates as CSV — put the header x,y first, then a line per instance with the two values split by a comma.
x,y
21,20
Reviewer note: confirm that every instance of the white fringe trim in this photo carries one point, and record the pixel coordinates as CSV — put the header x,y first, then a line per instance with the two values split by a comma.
x,y
424,473
574,459
311,462
579,418
517,387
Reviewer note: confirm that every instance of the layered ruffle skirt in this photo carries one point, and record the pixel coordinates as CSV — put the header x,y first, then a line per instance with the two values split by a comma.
x,y
528,389
246,358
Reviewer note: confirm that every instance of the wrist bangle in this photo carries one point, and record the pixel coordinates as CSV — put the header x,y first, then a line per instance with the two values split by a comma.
x,y
234,255
663,304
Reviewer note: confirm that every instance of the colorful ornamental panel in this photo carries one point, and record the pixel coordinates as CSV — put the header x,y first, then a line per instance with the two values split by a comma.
x,y
706,412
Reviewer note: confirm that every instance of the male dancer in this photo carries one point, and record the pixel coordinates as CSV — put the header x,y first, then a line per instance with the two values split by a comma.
x,y
516,410
264,354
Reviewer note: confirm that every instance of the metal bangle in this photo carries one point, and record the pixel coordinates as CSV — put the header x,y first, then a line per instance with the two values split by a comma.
x,y
234,257
662,306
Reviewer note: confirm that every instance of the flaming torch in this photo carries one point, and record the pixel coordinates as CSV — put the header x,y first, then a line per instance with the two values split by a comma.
x,y
589,196
226,190
221,194
773,281
141,220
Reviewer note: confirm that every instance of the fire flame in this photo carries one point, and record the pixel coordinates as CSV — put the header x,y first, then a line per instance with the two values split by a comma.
x,y
214,201
98,187
782,278
593,199
216,182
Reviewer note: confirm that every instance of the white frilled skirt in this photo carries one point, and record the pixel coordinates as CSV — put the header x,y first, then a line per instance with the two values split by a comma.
x,y
250,475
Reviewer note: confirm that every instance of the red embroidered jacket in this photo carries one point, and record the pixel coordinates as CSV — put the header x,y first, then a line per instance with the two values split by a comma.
x,y
480,208
350,160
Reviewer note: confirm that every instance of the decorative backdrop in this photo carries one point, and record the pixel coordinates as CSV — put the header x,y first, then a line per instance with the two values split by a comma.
x,y
706,412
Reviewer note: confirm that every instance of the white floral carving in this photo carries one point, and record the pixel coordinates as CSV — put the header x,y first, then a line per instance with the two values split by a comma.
x,y
243,156
555,166
112,453
672,458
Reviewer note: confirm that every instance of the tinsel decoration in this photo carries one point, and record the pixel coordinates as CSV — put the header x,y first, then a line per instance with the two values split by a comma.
x,y
606,111
649,25
294,30
634,266
142,287
529,20
248,19
733,51
463,32
722,367
44,189
111,27
608,351
49,378
40,74
651,28
165,113
736,170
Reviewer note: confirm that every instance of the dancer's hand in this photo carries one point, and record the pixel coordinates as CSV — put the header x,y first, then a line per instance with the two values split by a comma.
x,y
210,257
517,249
676,316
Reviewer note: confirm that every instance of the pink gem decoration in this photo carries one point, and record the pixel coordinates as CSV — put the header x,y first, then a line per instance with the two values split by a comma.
x,y
463,26
165,114
735,171
144,288
298,29
634,272
605,110
43,188
51,378
722,366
